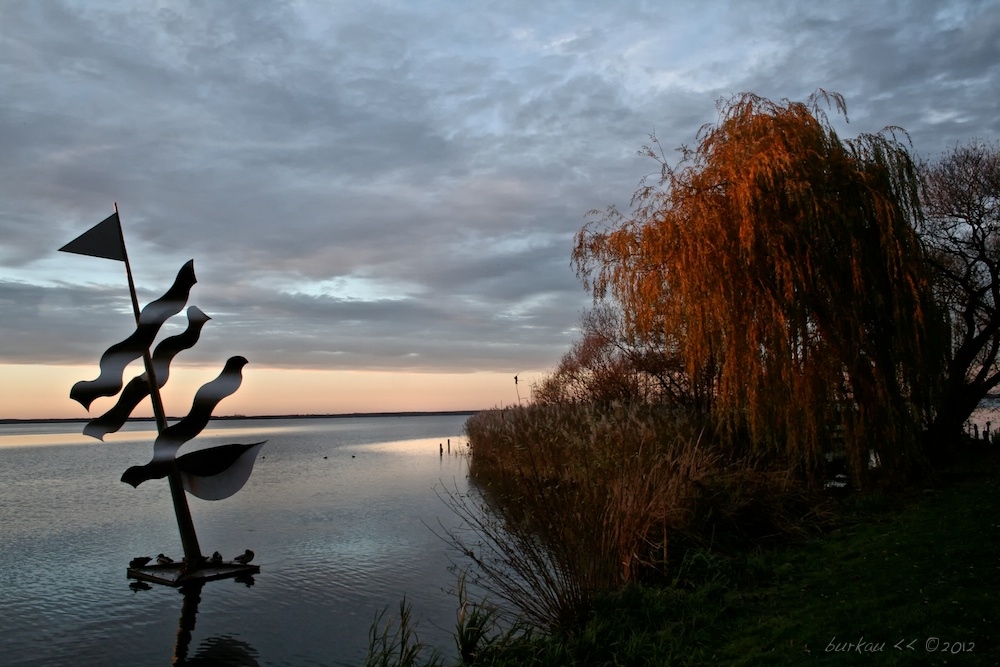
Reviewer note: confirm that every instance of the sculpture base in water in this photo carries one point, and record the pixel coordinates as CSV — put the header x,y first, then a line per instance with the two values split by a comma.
x,y
179,574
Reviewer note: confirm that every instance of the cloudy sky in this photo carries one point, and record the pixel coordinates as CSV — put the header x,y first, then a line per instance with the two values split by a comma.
x,y
380,197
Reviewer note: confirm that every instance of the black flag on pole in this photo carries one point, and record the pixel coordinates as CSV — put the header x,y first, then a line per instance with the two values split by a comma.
x,y
102,240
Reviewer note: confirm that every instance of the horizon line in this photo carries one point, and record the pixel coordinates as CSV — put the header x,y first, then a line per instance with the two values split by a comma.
x,y
332,415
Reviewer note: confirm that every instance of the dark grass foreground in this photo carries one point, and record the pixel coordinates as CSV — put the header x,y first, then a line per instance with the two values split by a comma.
x,y
926,571
919,571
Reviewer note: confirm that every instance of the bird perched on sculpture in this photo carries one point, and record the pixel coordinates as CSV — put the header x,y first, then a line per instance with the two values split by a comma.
x,y
244,558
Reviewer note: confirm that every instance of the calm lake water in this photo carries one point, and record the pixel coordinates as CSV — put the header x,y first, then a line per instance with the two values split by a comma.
x,y
337,511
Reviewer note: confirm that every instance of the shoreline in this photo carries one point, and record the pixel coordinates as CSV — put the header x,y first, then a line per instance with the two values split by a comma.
x,y
341,415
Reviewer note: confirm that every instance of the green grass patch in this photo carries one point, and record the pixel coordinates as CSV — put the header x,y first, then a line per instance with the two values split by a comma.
x,y
921,571
930,570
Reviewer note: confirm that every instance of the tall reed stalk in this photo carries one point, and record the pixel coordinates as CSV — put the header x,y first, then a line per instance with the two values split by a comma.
x,y
397,645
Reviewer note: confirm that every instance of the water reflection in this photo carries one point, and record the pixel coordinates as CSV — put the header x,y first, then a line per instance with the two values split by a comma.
x,y
223,651
338,511
185,626
216,650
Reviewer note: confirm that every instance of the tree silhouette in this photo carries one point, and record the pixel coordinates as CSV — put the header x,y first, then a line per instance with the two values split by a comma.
x,y
961,230
604,367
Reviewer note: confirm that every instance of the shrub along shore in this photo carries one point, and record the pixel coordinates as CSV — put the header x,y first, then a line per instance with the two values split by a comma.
x,y
621,536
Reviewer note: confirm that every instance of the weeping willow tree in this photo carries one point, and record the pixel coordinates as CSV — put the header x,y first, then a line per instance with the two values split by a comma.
x,y
779,264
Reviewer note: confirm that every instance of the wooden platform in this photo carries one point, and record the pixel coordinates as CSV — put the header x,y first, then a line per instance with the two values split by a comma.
x,y
175,574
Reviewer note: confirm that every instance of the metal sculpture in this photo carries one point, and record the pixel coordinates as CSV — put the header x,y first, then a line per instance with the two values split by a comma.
x,y
210,474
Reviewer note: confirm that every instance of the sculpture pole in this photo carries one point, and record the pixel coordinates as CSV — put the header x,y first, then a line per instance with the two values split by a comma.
x,y
189,540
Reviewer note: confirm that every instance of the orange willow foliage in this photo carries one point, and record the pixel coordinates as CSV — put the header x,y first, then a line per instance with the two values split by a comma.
x,y
781,266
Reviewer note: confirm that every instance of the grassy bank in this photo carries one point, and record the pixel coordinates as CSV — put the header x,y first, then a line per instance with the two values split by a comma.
x,y
922,568
928,571
740,565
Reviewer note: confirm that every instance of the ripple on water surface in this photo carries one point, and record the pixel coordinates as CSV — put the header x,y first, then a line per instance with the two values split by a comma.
x,y
338,539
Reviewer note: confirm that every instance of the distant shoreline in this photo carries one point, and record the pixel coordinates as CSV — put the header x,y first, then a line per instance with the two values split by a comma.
x,y
344,415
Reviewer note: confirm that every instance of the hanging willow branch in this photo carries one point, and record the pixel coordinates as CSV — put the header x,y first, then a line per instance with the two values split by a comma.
x,y
783,266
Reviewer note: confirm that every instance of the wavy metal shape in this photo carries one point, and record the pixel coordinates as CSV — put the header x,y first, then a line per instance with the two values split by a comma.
x,y
118,356
138,387
213,473
173,437
218,472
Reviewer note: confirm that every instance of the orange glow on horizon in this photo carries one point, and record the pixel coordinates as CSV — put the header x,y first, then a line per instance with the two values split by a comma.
x,y
42,392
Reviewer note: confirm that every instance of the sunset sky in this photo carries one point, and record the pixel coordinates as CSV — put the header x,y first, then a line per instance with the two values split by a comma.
x,y
381,197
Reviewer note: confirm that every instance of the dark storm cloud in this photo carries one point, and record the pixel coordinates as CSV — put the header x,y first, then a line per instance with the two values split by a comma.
x,y
394,186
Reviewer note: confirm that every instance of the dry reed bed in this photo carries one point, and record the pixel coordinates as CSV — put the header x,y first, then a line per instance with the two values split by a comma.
x,y
583,500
